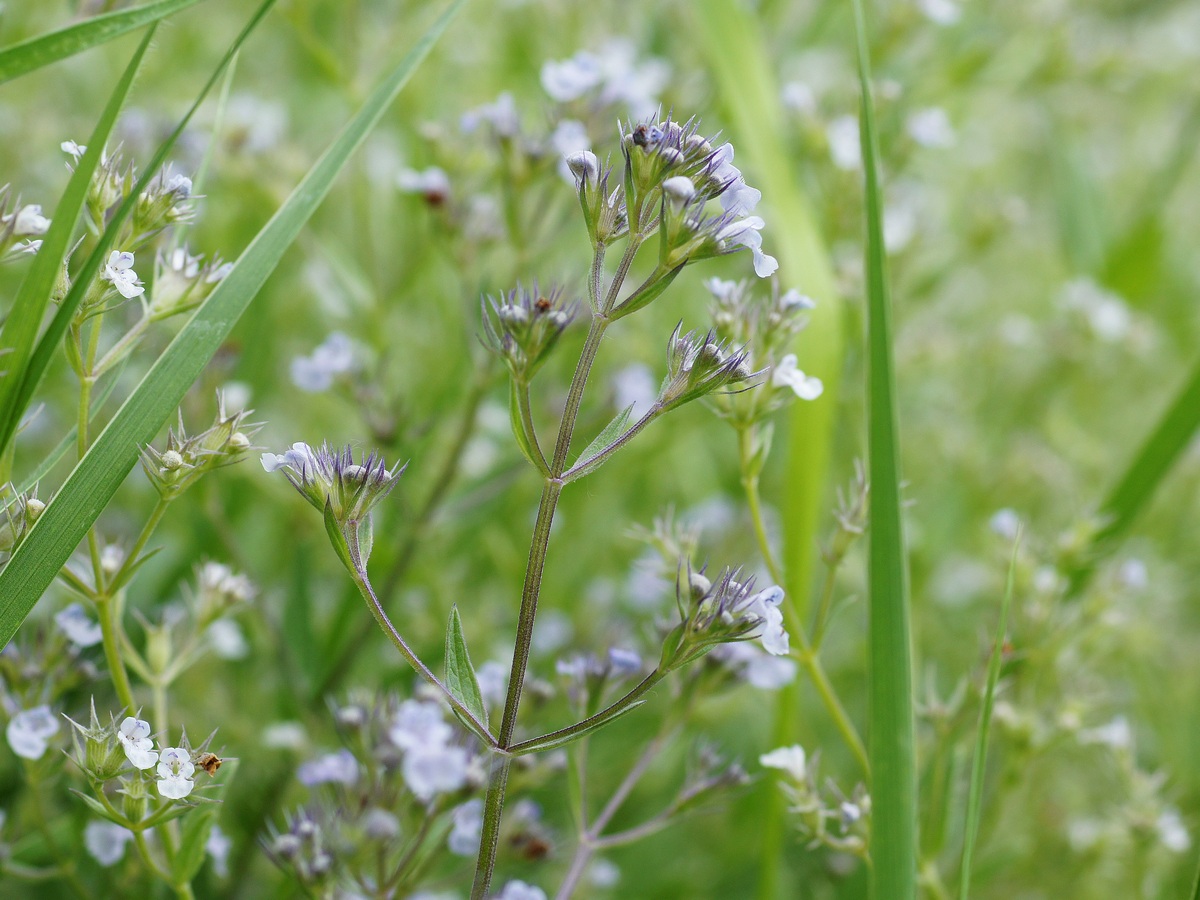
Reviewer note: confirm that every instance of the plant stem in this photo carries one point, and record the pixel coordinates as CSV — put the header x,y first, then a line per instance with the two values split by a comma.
x,y
112,652
539,544
807,655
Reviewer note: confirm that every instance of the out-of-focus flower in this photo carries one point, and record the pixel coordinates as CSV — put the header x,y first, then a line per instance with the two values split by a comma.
x,y
468,823
433,769
30,730
501,115
789,759
844,147
217,847
940,12
786,375
418,724
332,357
433,184
931,128
339,767
106,841
78,626
519,890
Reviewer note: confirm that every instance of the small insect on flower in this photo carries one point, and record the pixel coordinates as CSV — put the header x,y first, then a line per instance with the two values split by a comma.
x,y
209,762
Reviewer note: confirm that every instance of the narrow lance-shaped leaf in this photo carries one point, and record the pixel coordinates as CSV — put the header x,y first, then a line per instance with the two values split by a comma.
x,y
892,750
190,856
460,674
29,308
610,433
49,345
49,48
91,485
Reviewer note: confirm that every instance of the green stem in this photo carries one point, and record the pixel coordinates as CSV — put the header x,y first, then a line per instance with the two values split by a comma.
x,y
112,652
122,347
139,545
521,390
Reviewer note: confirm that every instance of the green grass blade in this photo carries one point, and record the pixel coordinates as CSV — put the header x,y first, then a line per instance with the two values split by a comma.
x,y
979,762
21,328
1139,482
46,49
892,751
93,482
49,346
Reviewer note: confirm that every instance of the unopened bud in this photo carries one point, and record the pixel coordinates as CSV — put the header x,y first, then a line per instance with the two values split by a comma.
x,y
237,443
513,315
172,460
33,509
699,585
679,191
584,165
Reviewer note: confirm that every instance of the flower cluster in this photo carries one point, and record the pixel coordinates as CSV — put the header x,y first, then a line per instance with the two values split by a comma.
x,y
182,281
698,365
719,612
331,478
827,817
16,518
19,221
523,326
188,457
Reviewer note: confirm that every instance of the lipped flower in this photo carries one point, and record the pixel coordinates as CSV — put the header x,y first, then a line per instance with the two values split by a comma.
x,y
134,735
787,375
119,271
175,768
30,730
80,629
334,356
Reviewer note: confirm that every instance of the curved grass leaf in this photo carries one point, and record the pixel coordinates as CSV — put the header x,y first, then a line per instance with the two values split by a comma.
x,y
979,762
91,485
892,751
1139,482
49,345
29,308
46,49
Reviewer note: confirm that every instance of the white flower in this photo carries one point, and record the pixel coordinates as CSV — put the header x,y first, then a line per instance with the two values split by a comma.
x,y
432,183
226,639
73,149
844,148
603,873
79,628
931,128
760,669
624,662
218,846
746,233
738,198
299,458
722,290
786,375
1117,734
134,735
1172,832
1133,574
790,759
336,768
332,357
468,823
765,606
29,220
940,12
106,841
29,731
284,736
435,769
635,385
1005,523
679,190
798,96
628,81
175,773
419,724
493,682
793,299
569,79
119,270
519,890
1107,313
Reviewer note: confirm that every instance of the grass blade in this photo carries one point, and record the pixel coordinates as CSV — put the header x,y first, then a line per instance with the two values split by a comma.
x,y
48,347
1139,482
46,49
892,752
93,482
979,763
29,308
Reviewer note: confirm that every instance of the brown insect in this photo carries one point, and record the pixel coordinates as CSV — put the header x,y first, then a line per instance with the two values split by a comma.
x,y
209,762
542,304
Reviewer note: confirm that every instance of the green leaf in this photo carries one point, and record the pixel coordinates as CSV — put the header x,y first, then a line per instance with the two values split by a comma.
x,y
556,740
892,750
523,442
49,48
979,763
610,433
29,308
460,674
49,346
190,855
91,485
1139,482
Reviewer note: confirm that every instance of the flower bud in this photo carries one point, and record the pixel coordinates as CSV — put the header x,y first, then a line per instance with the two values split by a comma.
x,y
584,166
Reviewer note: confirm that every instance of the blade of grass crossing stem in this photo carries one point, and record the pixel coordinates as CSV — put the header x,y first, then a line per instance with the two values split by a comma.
x,y
33,296
93,482
733,41
892,750
1136,486
46,49
48,347
979,763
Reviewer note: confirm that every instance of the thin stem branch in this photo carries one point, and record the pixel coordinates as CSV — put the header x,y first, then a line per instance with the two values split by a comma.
x,y
587,466
521,391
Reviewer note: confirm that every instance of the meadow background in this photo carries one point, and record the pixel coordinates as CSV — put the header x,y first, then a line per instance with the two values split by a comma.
x,y
1040,182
